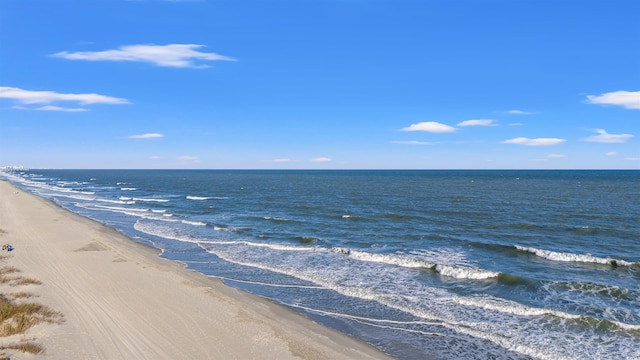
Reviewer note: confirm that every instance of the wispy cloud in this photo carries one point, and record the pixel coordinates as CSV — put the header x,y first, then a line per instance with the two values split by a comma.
x,y
534,142
632,158
47,97
478,122
411,142
59,108
321,159
430,126
604,137
147,136
611,153
519,112
627,99
171,55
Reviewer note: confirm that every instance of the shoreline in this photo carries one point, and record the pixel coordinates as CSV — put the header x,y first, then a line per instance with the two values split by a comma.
x,y
120,299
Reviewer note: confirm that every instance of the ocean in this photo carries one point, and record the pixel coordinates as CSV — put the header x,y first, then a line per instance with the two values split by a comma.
x,y
422,264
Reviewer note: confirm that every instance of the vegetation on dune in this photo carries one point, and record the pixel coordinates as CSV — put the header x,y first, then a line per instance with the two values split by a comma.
x,y
26,346
5,277
17,315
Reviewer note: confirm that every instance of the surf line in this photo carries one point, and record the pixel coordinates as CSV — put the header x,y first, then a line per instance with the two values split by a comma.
x,y
379,323
273,285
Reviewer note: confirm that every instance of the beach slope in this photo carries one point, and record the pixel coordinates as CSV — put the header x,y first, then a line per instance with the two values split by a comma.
x,y
120,300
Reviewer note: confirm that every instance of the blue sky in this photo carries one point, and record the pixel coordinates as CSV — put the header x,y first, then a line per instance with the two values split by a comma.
x,y
320,84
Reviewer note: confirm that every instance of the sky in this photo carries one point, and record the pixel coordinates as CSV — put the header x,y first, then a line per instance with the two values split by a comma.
x,y
320,84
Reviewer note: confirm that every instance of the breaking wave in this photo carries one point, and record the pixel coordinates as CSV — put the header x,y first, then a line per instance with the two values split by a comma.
x,y
570,257
457,272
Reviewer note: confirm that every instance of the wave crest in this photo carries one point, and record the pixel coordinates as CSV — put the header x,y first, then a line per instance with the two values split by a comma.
x,y
198,198
570,257
465,273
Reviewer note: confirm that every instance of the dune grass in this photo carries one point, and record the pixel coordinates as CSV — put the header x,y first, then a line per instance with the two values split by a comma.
x,y
17,317
6,277
25,346
20,295
17,314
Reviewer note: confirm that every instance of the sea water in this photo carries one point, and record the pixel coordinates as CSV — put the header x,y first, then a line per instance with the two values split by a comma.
x,y
421,264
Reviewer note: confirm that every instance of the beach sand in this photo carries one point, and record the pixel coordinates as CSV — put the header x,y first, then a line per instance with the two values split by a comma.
x,y
120,300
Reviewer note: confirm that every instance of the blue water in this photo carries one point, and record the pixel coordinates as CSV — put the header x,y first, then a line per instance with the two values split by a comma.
x,y
444,264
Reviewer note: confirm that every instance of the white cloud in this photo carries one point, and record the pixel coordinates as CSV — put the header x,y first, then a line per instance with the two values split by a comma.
x,y
479,122
147,136
516,124
430,126
58,108
632,158
627,99
519,112
611,153
556,156
48,97
321,159
411,142
605,137
171,55
281,160
534,142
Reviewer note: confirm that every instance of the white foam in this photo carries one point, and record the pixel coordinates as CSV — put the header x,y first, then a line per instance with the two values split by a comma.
x,y
275,285
275,218
151,200
70,196
277,246
509,307
465,273
194,223
390,259
123,202
137,212
218,228
59,189
167,233
154,228
198,198
117,208
634,327
128,189
570,257
410,262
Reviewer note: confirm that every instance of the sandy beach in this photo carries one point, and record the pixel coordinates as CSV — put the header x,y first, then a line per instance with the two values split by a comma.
x,y
120,300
